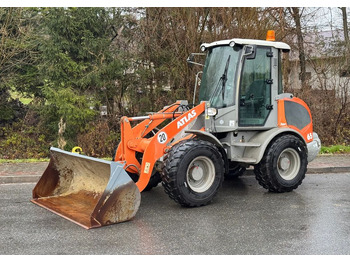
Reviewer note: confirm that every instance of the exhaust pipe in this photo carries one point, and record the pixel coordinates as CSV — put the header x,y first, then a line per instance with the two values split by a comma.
x,y
88,191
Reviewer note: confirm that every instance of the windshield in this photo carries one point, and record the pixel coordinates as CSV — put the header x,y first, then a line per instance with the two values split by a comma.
x,y
218,85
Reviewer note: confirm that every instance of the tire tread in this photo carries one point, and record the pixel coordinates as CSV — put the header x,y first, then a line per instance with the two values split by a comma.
x,y
173,160
264,172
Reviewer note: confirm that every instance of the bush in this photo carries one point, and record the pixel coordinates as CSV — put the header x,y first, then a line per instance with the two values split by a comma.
x,y
100,140
23,141
330,116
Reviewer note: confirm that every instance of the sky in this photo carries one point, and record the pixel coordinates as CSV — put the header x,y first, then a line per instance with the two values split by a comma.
x,y
329,18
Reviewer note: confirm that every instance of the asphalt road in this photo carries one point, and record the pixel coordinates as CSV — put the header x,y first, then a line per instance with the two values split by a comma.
x,y
243,219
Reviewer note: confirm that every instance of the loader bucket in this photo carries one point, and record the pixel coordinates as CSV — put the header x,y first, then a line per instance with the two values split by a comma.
x,y
88,191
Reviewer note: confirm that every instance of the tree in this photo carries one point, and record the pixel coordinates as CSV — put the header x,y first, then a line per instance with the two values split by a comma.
x,y
296,14
346,39
16,31
345,26
71,61
78,69
168,35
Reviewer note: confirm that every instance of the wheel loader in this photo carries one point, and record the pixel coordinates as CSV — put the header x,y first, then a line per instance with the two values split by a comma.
x,y
242,119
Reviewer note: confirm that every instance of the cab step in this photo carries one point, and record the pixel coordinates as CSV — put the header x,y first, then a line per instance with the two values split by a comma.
x,y
247,160
246,144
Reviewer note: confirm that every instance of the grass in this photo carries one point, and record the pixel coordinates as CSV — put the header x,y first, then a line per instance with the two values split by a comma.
x,y
31,160
337,149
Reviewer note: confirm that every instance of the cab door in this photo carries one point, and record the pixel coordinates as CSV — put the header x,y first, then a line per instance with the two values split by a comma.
x,y
255,88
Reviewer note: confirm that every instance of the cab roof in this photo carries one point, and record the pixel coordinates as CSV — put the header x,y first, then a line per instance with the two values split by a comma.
x,y
240,41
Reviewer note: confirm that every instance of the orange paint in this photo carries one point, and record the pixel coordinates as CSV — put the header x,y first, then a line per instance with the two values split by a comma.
x,y
307,131
133,139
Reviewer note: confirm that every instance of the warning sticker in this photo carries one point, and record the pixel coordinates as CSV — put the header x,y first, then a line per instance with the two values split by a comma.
x,y
147,166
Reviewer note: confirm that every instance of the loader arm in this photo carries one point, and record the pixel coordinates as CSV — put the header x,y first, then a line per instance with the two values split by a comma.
x,y
128,133
133,140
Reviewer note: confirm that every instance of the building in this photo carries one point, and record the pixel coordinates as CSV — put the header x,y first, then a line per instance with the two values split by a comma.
x,y
327,63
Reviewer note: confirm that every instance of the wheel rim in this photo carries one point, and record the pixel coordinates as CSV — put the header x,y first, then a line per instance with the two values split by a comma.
x,y
200,174
288,164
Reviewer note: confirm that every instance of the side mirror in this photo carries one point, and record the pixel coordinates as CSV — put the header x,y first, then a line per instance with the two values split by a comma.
x,y
190,59
250,51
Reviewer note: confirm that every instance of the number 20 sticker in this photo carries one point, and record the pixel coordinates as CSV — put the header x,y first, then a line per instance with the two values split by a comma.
x,y
162,137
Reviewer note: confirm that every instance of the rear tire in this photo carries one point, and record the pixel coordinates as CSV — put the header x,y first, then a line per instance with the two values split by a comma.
x,y
283,165
193,172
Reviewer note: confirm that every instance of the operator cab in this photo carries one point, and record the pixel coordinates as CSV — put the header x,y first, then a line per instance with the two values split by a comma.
x,y
241,80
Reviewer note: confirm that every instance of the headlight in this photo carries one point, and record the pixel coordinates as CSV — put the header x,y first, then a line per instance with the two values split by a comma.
x,y
212,111
203,48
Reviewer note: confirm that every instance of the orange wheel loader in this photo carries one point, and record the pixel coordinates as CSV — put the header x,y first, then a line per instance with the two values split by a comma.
x,y
243,119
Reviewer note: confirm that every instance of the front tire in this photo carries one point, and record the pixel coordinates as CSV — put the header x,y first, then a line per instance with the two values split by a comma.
x,y
283,166
193,172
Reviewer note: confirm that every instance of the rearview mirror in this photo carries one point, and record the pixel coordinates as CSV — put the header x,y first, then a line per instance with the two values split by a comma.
x,y
190,58
249,51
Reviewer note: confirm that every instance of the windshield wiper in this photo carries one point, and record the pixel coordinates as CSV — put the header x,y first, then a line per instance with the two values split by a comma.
x,y
223,80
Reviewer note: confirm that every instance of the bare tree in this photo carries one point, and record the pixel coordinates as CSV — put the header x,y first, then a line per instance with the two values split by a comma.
x,y
296,14
346,39
345,26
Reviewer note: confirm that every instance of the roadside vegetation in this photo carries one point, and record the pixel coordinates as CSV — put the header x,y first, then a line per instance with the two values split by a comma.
x,y
67,75
337,149
26,160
